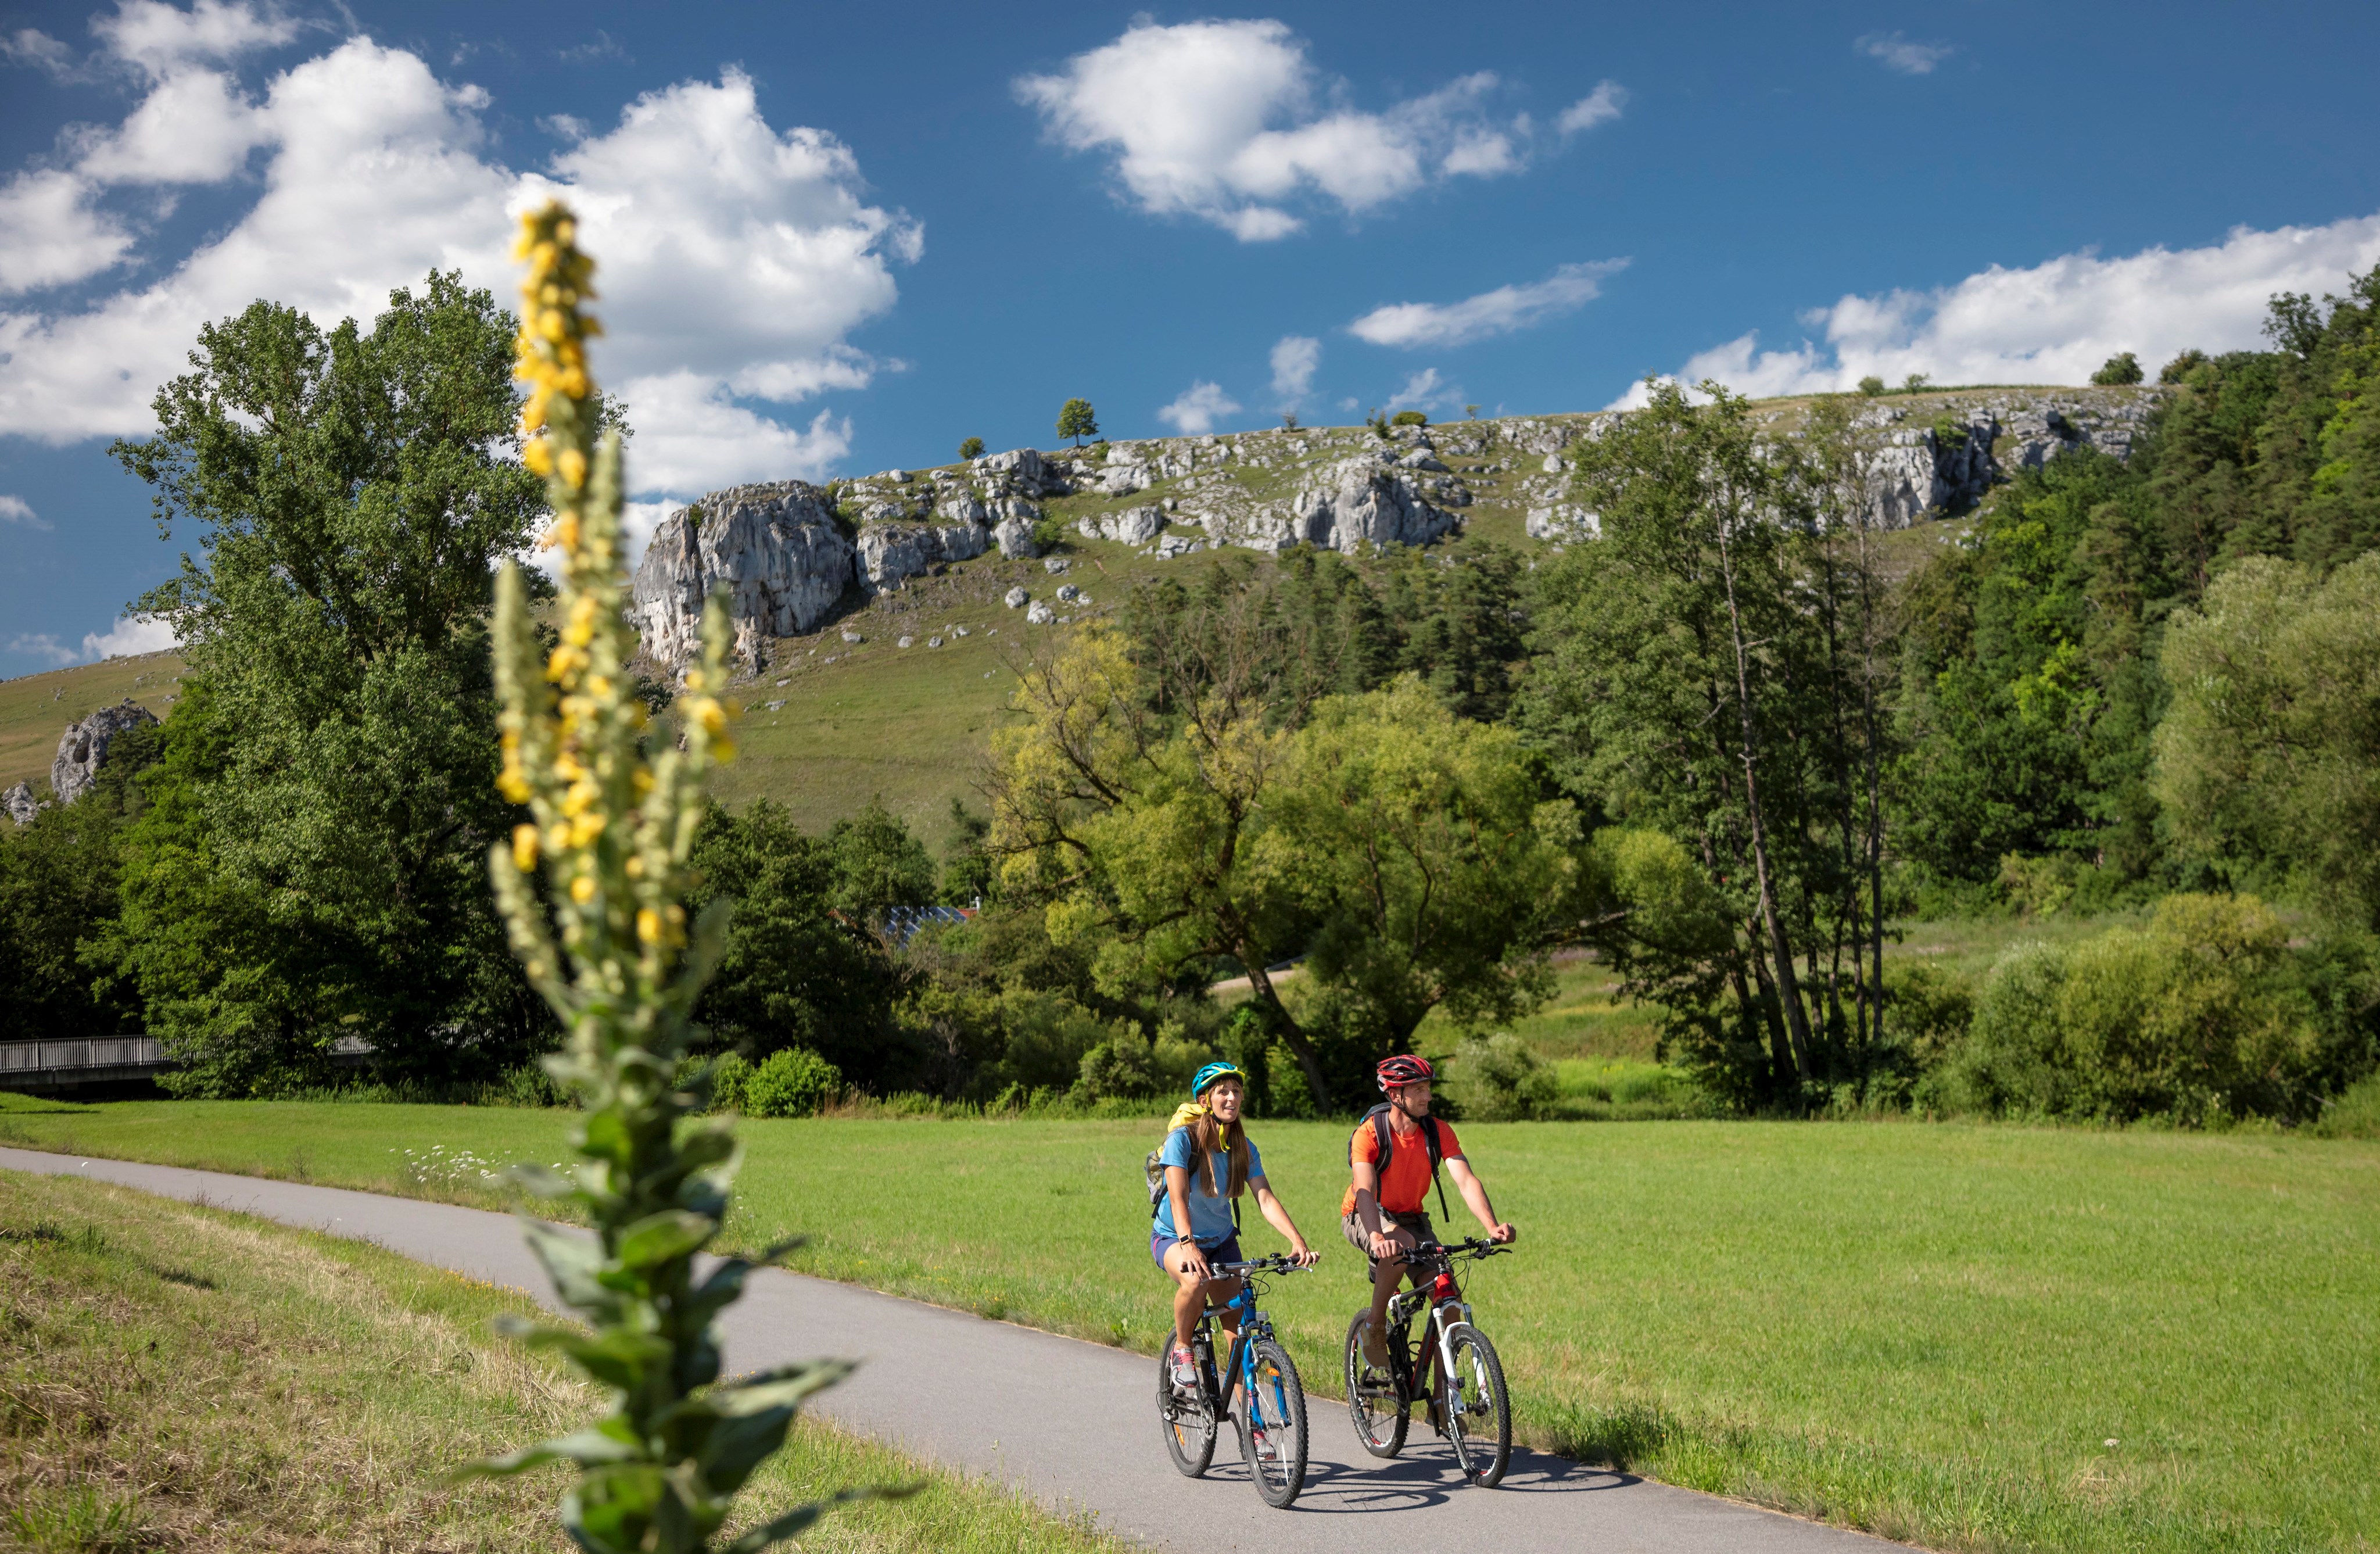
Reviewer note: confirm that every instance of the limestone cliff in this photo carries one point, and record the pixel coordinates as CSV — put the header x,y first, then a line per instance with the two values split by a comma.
x,y
791,554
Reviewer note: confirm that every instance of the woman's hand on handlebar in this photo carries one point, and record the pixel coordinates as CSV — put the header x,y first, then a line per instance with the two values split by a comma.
x,y
1304,1255
1194,1260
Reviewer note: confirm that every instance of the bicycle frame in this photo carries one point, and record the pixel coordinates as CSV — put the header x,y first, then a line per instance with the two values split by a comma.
x,y
1445,1314
1241,1364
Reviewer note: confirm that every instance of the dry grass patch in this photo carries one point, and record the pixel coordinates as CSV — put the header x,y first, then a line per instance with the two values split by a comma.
x,y
174,1377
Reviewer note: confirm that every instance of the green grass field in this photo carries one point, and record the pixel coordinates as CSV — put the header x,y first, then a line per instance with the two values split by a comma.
x,y
1933,1331
177,1378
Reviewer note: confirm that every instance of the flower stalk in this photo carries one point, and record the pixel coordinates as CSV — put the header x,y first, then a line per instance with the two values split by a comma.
x,y
610,948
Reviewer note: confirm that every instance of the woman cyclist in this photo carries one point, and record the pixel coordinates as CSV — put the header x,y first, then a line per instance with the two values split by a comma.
x,y
1208,1160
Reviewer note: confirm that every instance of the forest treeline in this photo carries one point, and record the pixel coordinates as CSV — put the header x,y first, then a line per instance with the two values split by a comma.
x,y
1725,744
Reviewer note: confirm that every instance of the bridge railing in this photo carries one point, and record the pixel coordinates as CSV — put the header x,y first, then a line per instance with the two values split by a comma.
x,y
80,1052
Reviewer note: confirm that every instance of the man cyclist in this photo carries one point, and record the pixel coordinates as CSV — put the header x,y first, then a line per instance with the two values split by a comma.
x,y
1383,1214
1208,1159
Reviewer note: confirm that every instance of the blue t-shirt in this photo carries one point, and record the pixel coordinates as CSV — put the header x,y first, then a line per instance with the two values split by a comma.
x,y
1210,1213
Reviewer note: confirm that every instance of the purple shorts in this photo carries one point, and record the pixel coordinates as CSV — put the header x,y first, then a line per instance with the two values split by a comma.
x,y
1228,1252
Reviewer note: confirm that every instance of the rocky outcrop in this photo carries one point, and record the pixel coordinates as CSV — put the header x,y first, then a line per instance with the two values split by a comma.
x,y
1923,469
20,804
83,750
777,551
890,553
1133,526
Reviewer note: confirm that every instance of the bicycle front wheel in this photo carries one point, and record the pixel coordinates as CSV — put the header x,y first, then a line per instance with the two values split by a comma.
x,y
1376,1405
1189,1426
1272,1425
1478,1414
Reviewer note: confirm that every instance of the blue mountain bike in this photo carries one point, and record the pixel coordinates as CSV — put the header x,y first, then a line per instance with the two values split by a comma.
x,y
1256,1388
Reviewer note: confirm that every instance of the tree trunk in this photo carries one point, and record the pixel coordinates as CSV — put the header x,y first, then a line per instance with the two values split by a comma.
x,y
1293,1035
1789,990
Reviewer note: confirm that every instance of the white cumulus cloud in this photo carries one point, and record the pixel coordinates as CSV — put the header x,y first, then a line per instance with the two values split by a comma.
x,y
49,237
1425,391
1600,106
1895,51
159,39
737,259
127,637
1294,359
2054,323
41,645
1229,122
1501,311
1197,408
17,510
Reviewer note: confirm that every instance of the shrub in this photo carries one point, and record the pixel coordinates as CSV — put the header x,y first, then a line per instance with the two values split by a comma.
x,y
729,1075
2121,367
1409,417
1916,382
1117,1070
2355,1114
2180,368
1871,385
1049,534
795,1081
2200,1016
1498,1080
971,448
1289,420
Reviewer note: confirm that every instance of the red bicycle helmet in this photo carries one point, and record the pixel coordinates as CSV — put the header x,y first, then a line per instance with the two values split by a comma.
x,y
1403,1069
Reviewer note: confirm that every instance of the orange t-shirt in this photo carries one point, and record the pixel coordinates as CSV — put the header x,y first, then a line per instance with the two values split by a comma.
x,y
1406,1183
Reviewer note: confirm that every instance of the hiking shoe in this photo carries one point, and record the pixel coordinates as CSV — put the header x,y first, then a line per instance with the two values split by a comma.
x,y
1186,1369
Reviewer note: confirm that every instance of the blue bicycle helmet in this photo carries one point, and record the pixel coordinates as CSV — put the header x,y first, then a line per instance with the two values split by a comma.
x,y
1212,1074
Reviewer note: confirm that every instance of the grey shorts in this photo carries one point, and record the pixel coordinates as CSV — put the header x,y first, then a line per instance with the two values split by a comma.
x,y
1417,1223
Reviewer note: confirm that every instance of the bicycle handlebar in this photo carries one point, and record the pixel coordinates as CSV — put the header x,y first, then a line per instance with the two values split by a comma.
x,y
1474,1247
1275,1263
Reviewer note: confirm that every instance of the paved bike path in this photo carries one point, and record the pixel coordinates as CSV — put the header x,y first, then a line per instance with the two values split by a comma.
x,y
1071,1423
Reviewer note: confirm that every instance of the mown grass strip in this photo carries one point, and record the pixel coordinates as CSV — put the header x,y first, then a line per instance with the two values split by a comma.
x,y
175,1377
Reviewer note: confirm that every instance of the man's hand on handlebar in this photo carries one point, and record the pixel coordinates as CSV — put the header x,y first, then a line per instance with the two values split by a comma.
x,y
1502,1235
1384,1245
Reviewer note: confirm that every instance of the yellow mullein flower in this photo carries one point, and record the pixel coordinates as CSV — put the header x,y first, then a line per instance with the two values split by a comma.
x,y
525,847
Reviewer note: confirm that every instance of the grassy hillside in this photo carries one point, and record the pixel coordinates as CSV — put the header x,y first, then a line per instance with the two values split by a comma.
x,y
36,708
1983,1338
910,726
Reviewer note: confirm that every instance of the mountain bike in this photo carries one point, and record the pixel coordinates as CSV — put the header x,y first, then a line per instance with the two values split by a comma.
x,y
1453,1370
1256,1388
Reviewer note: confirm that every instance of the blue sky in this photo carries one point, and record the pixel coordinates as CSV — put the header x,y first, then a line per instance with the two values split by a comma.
x,y
841,238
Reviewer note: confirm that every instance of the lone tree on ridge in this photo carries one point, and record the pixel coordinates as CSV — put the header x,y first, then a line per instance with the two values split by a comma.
x,y
1076,420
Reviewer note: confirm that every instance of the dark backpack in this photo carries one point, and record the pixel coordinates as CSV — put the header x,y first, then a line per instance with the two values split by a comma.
x,y
1384,1136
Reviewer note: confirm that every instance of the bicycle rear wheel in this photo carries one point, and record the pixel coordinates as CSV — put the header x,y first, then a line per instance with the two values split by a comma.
x,y
1189,1426
1378,1407
1477,1413
1272,1425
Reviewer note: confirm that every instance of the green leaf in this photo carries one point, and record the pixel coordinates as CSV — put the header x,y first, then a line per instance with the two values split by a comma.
x,y
544,1181
782,1387
614,1357
659,1238
588,1447
794,1521
572,1261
